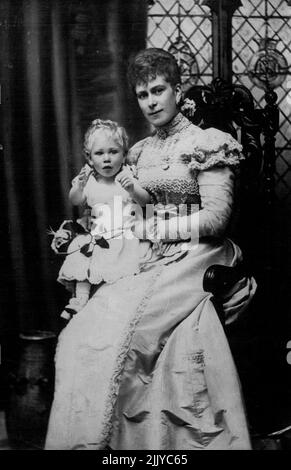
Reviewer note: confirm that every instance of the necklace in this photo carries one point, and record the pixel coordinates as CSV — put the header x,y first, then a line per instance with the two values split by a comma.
x,y
172,130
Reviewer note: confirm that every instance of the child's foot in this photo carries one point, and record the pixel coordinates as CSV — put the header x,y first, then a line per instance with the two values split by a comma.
x,y
73,307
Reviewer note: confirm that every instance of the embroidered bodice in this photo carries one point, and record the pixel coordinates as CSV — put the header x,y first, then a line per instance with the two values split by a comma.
x,y
168,162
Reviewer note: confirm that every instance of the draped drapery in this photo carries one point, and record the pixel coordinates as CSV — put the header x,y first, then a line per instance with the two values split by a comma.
x,y
62,64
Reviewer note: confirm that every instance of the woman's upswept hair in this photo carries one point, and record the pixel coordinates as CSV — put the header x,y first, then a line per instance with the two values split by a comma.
x,y
117,132
149,63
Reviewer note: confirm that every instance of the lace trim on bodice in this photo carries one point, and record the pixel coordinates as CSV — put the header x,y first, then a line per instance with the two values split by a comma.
x,y
167,163
160,169
178,124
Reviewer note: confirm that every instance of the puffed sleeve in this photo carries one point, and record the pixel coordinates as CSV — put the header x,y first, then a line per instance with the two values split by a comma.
x,y
211,148
215,158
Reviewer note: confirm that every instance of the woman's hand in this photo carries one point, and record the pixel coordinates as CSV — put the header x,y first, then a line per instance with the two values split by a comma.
x,y
175,229
126,179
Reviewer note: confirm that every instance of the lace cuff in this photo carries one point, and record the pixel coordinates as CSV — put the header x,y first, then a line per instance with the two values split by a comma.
x,y
211,148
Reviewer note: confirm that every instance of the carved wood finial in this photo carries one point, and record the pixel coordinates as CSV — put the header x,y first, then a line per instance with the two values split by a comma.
x,y
222,12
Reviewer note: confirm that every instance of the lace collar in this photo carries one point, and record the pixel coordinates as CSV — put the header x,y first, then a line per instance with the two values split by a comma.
x,y
176,125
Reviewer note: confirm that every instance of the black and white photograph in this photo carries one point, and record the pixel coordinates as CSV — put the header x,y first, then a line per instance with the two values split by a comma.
x,y
145,282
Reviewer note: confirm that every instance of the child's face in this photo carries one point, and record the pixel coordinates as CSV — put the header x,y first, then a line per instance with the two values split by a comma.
x,y
106,155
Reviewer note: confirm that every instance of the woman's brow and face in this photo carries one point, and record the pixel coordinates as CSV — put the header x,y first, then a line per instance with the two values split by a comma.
x,y
158,100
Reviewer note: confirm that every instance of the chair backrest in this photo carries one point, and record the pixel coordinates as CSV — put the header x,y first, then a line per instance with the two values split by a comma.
x,y
231,109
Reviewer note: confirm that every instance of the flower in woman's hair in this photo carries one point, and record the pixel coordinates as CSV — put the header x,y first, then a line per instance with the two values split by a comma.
x,y
188,107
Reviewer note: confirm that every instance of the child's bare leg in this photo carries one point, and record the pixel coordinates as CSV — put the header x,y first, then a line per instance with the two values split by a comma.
x,y
82,291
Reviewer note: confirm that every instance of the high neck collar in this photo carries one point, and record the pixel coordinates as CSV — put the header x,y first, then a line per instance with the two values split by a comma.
x,y
177,124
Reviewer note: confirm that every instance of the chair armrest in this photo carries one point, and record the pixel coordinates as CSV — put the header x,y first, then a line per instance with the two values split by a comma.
x,y
219,279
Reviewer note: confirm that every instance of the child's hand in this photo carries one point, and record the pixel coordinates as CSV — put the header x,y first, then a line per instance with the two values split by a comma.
x,y
126,179
83,176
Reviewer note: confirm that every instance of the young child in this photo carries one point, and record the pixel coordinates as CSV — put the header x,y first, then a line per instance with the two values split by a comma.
x,y
109,249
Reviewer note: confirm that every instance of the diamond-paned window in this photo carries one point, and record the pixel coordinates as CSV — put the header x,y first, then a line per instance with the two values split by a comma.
x,y
188,20
252,22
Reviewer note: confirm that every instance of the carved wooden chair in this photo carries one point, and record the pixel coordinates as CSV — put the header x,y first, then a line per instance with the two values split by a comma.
x,y
231,109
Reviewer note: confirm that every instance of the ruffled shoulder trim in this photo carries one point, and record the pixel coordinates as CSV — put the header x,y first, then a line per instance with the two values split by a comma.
x,y
135,151
208,148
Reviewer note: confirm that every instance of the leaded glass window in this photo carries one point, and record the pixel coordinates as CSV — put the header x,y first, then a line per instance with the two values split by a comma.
x,y
189,20
255,20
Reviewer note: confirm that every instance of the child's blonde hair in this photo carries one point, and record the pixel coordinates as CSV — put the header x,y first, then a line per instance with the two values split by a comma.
x,y
117,132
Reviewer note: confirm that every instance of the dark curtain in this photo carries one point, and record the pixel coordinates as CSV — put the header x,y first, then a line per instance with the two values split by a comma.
x,y
63,63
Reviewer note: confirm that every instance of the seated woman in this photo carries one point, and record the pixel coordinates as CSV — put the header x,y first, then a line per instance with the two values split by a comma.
x,y
146,364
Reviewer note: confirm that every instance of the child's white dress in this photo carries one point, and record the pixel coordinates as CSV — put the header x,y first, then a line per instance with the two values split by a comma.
x,y
109,250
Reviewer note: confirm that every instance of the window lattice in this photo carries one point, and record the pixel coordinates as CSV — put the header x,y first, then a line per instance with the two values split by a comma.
x,y
251,22
193,23
167,19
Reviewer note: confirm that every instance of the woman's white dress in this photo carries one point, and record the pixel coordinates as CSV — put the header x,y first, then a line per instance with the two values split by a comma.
x,y
146,364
